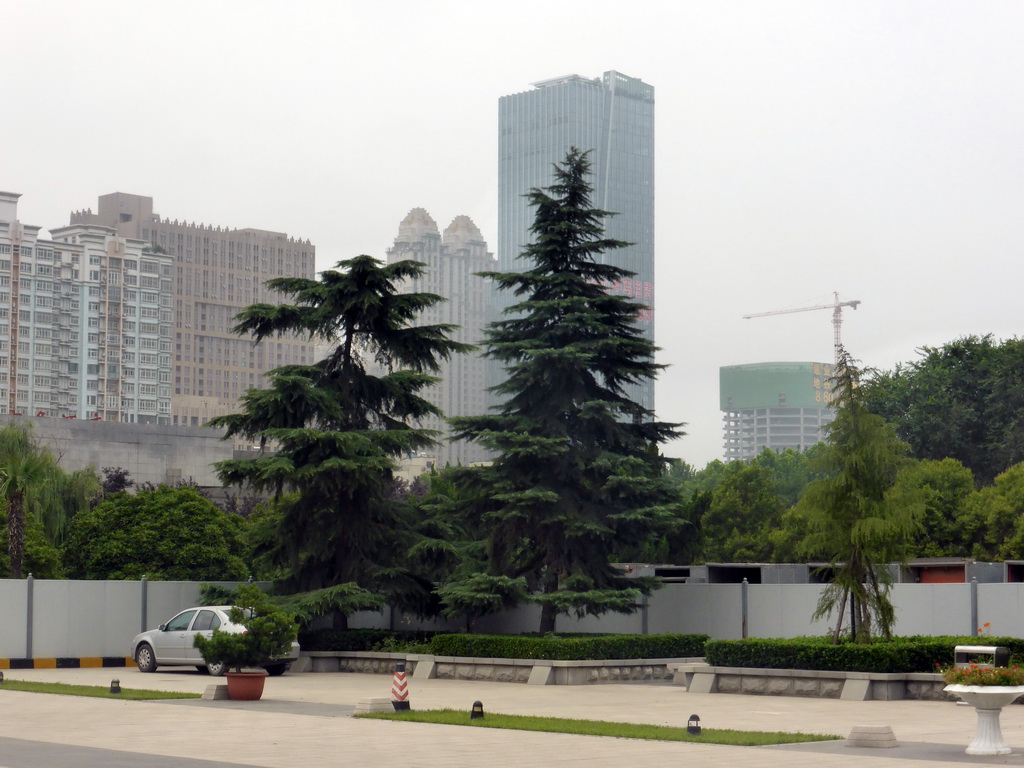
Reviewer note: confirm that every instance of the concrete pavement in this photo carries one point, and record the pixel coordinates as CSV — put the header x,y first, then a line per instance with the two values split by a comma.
x,y
303,721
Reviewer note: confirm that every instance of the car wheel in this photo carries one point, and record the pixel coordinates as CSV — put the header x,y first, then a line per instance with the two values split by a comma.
x,y
145,658
276,669
217,670
201,669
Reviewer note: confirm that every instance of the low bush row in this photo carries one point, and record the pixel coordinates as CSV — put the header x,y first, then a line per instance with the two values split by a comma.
x,y
903,654
364,640
571,648
554,647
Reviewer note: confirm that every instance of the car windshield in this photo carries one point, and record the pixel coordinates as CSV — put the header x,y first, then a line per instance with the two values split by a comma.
x,y
180,622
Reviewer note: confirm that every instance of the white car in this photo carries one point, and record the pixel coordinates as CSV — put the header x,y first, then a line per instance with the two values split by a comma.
x,y
172,644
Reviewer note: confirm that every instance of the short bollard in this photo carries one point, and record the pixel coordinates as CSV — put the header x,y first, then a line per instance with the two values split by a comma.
x,y
477,713
400,689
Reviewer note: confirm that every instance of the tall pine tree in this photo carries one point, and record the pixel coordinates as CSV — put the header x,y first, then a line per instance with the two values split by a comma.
x,y
337,426
578,477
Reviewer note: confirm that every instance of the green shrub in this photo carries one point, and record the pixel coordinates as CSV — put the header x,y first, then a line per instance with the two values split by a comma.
x,y
562,647
569,648
901,654
365,640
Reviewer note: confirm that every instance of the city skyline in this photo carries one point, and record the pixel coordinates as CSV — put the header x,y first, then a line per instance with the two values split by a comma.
x,y
871,148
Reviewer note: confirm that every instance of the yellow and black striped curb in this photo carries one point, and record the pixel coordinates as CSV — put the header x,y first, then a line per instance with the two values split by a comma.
x,y
68,662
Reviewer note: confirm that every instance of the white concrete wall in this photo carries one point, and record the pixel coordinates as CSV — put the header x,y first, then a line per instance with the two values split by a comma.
x,y
83,618
1002,606
13,618
937,609
99,618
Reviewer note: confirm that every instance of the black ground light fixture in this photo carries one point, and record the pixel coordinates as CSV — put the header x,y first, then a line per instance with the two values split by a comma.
x,y
477,713
693,727
1,677
115,686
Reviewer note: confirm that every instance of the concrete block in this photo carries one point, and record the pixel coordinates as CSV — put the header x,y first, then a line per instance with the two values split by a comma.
x,y
426,669
326,664
301,664
541,675
214,692
374,704
856,690
705,682
873,736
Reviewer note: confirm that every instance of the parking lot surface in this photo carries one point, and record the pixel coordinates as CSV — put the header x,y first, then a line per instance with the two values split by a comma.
x,y
304,720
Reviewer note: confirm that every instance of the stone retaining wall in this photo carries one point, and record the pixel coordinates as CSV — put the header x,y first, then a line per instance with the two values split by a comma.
x,y
530,671
853,686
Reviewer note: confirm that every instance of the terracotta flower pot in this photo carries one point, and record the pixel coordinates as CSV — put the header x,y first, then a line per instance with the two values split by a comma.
x,y
245,686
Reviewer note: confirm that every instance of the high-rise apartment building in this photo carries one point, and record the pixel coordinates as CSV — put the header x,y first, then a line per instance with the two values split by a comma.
x,y
216,273
612,117
452,262
774,405
85,323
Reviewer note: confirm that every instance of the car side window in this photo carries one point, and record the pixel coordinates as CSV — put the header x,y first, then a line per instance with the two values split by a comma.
x,y
205,620
180,622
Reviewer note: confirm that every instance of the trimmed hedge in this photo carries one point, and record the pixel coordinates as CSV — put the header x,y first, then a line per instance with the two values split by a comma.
x,y
360,639
902,654
569,648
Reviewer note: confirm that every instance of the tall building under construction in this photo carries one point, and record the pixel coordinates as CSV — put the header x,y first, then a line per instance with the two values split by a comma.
x,y
775,406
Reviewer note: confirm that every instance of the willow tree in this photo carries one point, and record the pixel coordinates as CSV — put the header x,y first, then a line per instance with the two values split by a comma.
x,y
337,426
859,518
577,476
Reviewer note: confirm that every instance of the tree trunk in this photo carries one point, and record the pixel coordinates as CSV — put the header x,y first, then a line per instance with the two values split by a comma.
x,y
339,621
548,612
16,534
839,623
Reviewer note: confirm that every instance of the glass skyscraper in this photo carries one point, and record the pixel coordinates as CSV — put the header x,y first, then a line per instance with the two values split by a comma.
x,y
613,117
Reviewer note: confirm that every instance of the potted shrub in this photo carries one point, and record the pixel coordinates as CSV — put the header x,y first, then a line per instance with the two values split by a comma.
x,y
269,633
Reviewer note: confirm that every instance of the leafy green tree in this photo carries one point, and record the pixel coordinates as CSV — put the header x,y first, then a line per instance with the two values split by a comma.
x,y
41,558
998,510
859,518
964,400
745,508
577,476
337,426
950,527
168,533
34,487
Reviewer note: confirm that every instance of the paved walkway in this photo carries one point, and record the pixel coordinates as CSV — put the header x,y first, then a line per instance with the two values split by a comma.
x,y
303,721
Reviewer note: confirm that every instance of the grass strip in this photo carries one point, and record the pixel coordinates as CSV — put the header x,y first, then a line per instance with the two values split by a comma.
x,y
601,728
95,691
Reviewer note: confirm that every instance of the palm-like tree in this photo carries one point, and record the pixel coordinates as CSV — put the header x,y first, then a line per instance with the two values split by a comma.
x,y
30,484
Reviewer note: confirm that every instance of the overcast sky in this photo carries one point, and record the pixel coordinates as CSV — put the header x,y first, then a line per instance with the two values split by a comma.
x,y
875,148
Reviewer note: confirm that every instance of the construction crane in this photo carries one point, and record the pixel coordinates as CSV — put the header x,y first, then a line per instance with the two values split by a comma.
x,y
837,316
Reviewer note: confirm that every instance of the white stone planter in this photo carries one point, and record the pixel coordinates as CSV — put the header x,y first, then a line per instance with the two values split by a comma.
x,y
988,701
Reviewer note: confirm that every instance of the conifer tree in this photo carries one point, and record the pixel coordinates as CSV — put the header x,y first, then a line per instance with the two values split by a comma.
x,y
859,517
337,426
577,475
